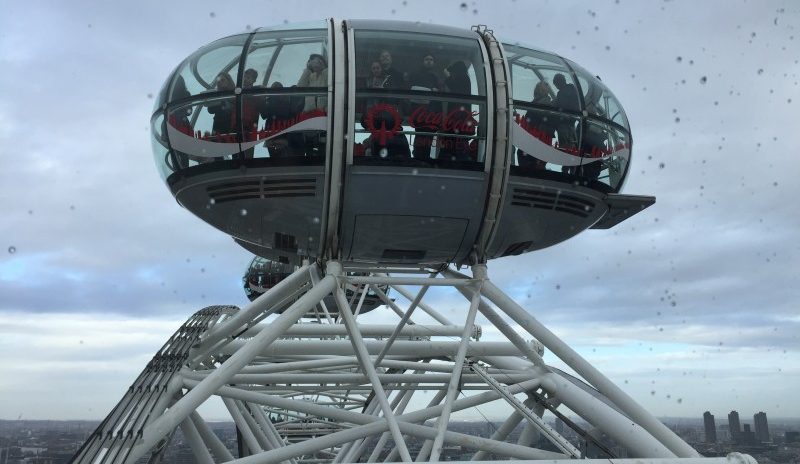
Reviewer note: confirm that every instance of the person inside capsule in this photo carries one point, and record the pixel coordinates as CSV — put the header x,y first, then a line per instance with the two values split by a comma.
x,y
425,79
459,120
539,125
315,74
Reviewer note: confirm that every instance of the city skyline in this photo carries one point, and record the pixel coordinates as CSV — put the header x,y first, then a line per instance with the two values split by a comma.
x,y
688,306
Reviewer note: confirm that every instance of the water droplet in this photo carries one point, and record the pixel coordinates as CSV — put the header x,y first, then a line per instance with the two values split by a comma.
x,y
463,7
243,212
12,249
212,14
678,59
383,153
150,96
677,119
703,80
414,171
558,286
202,269
661,165
760,71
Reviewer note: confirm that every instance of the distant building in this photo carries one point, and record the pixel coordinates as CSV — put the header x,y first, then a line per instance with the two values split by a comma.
x,y
734,426
747,436
710,426
792,436
762,430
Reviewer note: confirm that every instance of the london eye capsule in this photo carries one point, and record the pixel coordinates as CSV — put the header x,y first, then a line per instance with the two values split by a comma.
x,y
262,274
391,142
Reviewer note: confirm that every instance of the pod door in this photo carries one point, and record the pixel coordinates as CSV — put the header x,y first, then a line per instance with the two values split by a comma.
x,y
416,169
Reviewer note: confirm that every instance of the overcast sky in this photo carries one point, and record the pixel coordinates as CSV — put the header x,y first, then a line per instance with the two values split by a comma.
x,y
692,305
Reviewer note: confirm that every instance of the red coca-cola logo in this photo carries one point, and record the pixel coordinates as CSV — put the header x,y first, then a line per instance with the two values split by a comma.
x,y
383,133
459,120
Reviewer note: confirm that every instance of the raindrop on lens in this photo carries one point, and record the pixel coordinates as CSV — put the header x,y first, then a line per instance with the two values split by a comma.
x,y
383,153
463,7
12,249
243,212
212,14
703,80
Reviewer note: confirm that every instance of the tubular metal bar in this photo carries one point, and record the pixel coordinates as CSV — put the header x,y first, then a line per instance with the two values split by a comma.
x,y
419,349
620,428
388,302
248,435
503,326
269,430
455,378
402,324
433,402
534,419
418,366
368,330
209,437
180,410
355,455
470,441
364,290
263,440
369,369
398,406
500,434
421,281
731,458
351,417
588,372
296,365
423,306
315,280
342,380
196,442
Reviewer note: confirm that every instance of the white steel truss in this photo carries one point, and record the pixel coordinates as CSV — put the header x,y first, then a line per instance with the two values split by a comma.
x,y
338,390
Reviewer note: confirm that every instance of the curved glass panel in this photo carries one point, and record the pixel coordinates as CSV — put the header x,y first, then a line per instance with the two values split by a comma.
x,y
545,141
606,151
161,153
600,102
204,131
213,67
283,58
419,99
541,79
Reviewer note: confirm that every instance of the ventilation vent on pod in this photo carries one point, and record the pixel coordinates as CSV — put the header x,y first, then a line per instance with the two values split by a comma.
x,y
562,202
264,188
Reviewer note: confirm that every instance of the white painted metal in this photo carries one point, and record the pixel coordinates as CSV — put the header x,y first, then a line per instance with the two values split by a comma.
x,y
303,393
